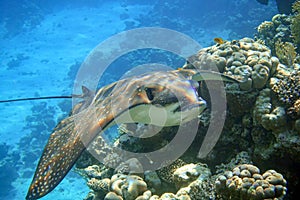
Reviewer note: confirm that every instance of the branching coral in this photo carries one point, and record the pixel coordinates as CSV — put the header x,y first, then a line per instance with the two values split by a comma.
x,y
265,27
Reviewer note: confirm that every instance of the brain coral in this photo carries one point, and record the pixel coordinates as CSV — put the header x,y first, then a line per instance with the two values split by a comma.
x,y
246,182
241,58
129,187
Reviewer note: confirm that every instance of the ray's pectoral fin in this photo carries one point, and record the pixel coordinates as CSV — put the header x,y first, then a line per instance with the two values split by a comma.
x,y
65,145
59,155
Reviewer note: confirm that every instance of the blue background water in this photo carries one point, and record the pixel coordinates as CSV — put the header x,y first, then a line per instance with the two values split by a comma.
x,y
43,43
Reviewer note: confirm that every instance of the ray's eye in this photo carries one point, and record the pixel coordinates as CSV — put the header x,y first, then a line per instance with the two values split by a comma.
x,y
149,92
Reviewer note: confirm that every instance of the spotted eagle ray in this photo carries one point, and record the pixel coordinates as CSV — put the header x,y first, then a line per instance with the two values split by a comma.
x,y
125,101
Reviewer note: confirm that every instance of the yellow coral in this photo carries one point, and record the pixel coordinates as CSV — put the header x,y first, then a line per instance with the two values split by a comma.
x,y
286,52
295,27
265,26
296,7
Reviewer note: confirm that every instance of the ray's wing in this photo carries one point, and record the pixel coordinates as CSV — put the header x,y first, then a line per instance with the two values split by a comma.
x,y
61,152
68,140
65,145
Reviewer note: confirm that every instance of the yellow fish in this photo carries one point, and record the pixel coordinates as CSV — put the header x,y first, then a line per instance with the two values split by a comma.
x,y
219,40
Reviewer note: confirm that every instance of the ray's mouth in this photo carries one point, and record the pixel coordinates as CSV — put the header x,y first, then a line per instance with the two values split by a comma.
x,y
201,105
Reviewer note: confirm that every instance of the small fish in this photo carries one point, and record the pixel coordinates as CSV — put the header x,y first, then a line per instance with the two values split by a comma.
x,y
219,40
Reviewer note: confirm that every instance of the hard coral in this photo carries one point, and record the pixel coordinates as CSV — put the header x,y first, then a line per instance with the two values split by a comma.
x,y
276,30
295,26
287,90
286,52
166,173
128,186
246,182
190,172
265,27
244,57
296,7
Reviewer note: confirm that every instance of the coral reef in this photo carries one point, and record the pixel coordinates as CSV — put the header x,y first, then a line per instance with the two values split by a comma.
x,y
295,25
127,186
195,182
190,181
244,57
262,121
119,186
286,52
287,90
282,35
246,182
278,29
189,173
166,173
262,111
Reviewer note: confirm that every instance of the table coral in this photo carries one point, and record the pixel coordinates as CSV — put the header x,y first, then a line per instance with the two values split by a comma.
x,y
246,182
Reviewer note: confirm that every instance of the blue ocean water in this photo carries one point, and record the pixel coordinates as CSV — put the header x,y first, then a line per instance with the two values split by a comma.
x,y
43,44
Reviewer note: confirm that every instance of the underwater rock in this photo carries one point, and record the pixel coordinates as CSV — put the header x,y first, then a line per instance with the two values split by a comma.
x,y
297,125
131,166
166,173
190,172
152,180
197,190
246,182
